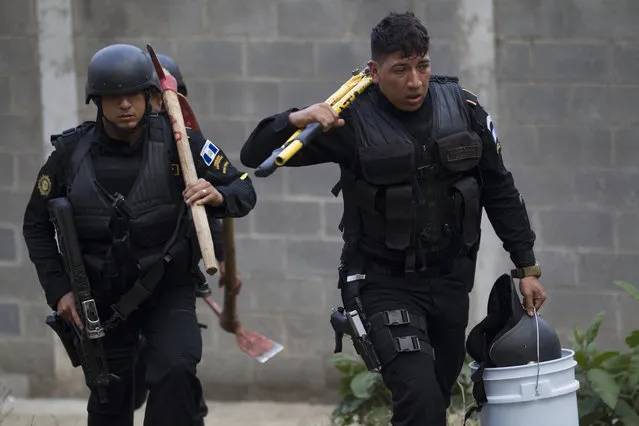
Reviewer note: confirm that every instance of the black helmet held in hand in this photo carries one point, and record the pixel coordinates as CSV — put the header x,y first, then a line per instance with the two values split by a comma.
x,y
508,337
119,69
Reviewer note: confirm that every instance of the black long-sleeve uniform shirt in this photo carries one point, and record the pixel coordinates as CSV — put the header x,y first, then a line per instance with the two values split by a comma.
x,y
499,196
39,233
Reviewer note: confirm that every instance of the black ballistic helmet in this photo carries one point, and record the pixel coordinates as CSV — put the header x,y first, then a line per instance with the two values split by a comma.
x,y
508,337
172,67
119,69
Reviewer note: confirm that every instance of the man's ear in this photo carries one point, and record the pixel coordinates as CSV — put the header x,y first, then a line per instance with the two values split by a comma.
x,y
373,67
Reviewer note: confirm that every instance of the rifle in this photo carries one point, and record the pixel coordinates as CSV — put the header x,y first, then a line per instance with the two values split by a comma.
x,y
84,346
339,100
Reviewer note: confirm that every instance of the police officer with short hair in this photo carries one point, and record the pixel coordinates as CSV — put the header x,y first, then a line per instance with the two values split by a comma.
x,y
419,158
130,150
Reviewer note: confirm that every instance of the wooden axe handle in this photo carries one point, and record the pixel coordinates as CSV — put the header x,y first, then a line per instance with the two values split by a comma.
x,y
190,175
229,313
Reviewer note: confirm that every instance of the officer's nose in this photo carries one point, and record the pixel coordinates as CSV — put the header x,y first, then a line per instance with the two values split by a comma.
x,y
125,103
414,81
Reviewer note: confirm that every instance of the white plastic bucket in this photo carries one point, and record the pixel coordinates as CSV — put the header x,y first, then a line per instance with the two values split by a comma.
x,y
531,395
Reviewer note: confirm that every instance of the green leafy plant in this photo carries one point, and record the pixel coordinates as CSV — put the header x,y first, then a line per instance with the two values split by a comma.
x,y
366,401
609,380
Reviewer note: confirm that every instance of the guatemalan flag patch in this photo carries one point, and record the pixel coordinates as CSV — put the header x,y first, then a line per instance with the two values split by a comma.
x,y
209,151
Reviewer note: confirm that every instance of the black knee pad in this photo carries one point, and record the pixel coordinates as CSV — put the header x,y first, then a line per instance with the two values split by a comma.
x,y
397,331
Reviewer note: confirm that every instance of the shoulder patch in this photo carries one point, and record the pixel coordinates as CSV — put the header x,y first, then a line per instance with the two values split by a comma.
x,y
44,185
209,152
470,97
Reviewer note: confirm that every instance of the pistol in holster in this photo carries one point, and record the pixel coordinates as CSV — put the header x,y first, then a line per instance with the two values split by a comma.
x,y
68,336
353,322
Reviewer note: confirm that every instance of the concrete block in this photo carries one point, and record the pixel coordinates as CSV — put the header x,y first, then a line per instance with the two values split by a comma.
x,y
315,181
590,303
23,53
574,146
337,60
557,184
625,147
571,62
519,144
625,63
18,19
9,319
209,58
15,204
559,268
445,58
576,229
7,170
5,95
299,94
440,18
627,232
290,218
534,105
8,250
260,255
249,100
22,133
252,18
21,282
310,19
604,106
599,271
287,296
513,61
312,257
280,59
522,19
201,96
310,335
22,357
594,18
28,167
25,92
228,135
614,190
361,17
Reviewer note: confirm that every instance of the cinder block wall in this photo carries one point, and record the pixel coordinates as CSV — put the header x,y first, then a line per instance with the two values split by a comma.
x,y
565,114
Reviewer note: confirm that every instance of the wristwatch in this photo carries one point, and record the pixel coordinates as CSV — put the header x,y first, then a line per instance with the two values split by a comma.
x,y
527,271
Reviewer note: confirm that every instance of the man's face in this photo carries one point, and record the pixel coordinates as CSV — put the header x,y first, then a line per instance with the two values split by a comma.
x,y
403,80
124,111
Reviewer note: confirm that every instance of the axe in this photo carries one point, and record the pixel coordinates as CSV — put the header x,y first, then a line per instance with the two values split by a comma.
x,y
170,96
250,342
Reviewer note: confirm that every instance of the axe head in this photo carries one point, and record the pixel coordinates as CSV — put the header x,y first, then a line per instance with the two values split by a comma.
x,y
167,81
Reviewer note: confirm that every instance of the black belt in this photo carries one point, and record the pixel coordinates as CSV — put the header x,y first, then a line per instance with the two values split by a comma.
x,y
398,270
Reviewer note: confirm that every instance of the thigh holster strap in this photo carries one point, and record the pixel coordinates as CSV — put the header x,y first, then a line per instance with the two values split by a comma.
x,y
387,345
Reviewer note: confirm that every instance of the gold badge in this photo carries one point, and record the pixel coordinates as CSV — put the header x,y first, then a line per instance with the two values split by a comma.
x,y
44,185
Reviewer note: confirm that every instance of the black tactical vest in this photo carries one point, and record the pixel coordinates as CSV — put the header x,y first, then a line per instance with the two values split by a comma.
x,y
407,199
154,200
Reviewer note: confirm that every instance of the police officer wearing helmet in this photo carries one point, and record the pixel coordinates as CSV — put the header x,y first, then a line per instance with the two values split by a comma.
x,y
130,150
419,158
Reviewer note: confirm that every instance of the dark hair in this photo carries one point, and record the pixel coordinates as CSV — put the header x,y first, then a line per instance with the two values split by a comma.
x,y
399,32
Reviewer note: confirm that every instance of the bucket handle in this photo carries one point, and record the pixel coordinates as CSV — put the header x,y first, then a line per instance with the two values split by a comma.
x,y
538,356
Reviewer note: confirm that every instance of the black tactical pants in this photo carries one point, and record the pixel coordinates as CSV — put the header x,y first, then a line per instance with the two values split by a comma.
x,y
420,384
170,327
